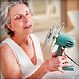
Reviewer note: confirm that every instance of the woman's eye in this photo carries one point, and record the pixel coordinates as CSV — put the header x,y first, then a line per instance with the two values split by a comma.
x,y
18,17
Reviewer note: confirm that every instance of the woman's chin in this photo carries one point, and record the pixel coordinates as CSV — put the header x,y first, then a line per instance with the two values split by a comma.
x,y
28,32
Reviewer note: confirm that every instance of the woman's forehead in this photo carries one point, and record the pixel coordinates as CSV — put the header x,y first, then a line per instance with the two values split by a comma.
x,y
18,9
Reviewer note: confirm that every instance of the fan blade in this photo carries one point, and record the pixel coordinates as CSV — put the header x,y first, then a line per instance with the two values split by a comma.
x,y
51,32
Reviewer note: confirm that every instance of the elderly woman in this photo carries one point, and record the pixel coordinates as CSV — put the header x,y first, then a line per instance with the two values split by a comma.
x,y
20,53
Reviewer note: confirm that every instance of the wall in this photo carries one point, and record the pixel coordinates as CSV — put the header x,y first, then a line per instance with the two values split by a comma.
x,y
72,5
73,26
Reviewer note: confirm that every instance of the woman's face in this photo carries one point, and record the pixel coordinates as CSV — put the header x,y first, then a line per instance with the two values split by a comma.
x,y
21,19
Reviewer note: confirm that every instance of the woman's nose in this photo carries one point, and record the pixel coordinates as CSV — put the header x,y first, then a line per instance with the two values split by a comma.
x,y
26,18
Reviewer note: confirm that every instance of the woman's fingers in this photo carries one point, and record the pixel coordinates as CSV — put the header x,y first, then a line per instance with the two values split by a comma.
x,y
53,64
60,69
63,61
56,63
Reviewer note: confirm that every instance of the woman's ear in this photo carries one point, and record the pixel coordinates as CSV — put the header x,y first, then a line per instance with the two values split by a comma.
x,y
10,27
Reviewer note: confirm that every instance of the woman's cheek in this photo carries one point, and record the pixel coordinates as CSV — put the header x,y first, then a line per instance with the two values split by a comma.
x,y
19,24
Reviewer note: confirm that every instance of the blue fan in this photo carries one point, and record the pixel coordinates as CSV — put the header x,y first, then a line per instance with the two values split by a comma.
x,y
61,40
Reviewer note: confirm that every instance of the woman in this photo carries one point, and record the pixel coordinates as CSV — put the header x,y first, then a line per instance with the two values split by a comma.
x,y
22,57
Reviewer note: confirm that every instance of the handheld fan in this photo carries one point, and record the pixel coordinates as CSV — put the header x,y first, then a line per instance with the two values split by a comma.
x,y
59,41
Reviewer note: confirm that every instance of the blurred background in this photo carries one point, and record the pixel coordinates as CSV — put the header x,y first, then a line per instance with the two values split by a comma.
x,y
47,12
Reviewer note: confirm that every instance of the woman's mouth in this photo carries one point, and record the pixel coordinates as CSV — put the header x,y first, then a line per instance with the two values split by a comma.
x,y
27,26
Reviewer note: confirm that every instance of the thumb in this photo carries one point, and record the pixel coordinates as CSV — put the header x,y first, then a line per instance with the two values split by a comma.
x,y
61,70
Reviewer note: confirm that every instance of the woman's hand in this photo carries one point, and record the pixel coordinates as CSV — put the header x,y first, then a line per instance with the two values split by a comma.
x,y
53,64
57,62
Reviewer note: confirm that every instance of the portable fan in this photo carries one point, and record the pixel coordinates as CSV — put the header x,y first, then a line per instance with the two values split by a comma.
x,y
59,41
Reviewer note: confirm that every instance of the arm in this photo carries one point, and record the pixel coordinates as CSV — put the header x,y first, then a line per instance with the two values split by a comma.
x,y
39,73
9,66
48,65
43,68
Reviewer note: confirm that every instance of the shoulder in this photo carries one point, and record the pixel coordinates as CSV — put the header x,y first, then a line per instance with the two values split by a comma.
x,y
5,52
4,48
8,62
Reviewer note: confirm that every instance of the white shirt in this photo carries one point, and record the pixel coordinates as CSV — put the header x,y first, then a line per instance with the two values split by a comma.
x,y
26,66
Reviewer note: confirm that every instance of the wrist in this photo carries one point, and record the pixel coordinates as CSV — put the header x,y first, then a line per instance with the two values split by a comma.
x,y
45,67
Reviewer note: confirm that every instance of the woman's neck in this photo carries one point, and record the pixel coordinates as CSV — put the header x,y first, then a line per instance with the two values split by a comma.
x,y
20,40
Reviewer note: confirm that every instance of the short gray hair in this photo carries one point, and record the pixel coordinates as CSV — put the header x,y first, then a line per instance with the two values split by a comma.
x,y
4,18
